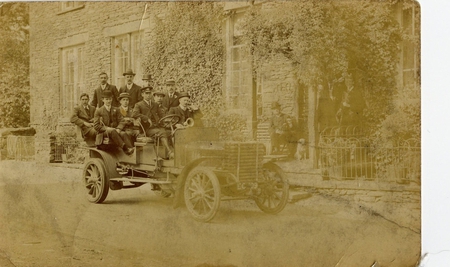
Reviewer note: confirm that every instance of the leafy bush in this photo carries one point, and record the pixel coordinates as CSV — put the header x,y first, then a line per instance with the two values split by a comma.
x,y
14,71
231,126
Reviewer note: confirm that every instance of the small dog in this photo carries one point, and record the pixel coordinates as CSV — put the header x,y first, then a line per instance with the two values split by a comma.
x,y
301,149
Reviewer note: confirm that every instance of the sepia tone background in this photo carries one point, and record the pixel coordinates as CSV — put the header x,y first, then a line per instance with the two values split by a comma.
x,y
347,72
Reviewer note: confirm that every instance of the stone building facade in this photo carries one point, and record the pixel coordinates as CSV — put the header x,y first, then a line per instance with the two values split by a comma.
x,y
75,41
72,42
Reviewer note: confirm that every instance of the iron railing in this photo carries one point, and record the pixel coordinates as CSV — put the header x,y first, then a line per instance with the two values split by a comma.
x,y
64,149
346,154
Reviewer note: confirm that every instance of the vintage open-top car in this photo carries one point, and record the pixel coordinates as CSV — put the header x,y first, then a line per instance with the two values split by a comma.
x,y
203,172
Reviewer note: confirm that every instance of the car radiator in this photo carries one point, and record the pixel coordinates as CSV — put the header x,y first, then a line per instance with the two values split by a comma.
x,y
244,160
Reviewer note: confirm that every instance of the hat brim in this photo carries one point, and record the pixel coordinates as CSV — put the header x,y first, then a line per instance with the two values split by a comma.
x,y
127,73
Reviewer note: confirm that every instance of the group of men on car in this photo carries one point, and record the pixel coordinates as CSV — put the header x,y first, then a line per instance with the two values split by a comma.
x,y
119,117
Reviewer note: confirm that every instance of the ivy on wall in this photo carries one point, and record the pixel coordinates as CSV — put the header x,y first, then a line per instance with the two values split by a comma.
x,y
186,45
329,41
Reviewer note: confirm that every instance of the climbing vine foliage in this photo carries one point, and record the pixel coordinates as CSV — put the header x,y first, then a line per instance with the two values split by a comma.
x,y
186,45
329,42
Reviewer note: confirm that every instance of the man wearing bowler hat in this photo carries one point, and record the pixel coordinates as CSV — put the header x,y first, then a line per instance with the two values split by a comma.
x,y
106,119
183,110
105,86
171,98
149,113
131,88
146,80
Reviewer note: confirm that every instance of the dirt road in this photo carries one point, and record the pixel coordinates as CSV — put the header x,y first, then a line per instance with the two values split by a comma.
x,y
46,221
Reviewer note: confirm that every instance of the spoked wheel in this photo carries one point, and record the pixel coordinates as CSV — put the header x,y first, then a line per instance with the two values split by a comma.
x,y
202,194
274,192
95,180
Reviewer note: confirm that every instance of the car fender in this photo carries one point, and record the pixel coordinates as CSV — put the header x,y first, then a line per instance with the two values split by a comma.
x,y
181,179
109,160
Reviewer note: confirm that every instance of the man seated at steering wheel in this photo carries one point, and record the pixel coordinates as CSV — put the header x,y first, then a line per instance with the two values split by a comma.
x,y
149,113
183,110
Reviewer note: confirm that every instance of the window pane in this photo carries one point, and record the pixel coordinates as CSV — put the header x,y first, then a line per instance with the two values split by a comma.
x,y
121,58
72,78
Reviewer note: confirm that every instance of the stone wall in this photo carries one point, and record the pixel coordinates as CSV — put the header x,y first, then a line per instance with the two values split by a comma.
x,y
399,206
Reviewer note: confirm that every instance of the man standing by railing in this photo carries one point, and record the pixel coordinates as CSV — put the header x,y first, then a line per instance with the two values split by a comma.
x,y
281,130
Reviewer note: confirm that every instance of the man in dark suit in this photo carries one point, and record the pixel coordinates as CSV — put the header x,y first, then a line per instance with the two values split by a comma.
x,y
281,130
149,113
126,121
171,99
106,119
182,110
104,86
83,117
131,88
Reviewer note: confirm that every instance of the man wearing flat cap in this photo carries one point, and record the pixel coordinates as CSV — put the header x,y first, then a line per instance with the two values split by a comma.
x,y
131,88
106,119
171,98
105,86
126,122
149,113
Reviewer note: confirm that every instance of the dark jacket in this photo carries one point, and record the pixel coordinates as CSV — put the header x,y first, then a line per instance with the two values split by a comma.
x,y
97,99
81,115
144,111
171,102
184,114
103,119
126,120
135,94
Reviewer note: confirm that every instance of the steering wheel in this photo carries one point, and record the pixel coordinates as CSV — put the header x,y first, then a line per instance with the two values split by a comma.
x,y
169,121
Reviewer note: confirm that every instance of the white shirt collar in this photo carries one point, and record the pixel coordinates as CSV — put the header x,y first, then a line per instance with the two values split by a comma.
x,y
129,86
103,86
108,108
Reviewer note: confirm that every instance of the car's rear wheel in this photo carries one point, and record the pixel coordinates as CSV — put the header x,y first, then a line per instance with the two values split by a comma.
x,y
202,194
274,190
95,180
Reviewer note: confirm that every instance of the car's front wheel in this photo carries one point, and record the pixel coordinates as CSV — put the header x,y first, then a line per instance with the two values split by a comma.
x,y
202,194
